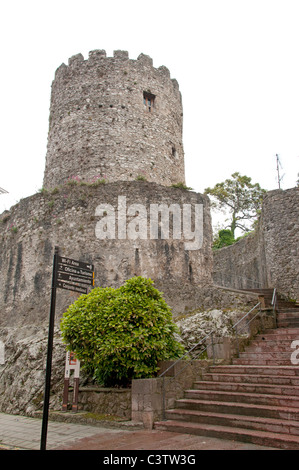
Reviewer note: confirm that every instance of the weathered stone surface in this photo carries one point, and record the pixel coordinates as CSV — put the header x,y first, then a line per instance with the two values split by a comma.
x,y
270,256
100,127
67,218
108,401
22,376
103,125
147,394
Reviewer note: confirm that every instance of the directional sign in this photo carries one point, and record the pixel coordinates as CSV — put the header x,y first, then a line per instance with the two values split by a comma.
x,y
63,268
75,279
74,275
75,264
67,286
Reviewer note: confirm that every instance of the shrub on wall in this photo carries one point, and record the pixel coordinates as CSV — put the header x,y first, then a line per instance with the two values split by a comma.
x,y
120,334
224,238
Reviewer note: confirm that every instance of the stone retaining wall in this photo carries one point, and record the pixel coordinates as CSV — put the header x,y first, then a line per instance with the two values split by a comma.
x,y
270,256
108,401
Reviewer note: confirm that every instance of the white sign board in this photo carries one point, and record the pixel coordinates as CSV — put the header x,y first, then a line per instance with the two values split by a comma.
x,y
71,363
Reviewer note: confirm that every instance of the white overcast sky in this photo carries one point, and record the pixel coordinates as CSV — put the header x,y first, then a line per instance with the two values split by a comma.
x,y
236,61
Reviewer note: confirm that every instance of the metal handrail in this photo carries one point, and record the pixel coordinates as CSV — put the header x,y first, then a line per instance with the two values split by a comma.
x,y
207,336
273,303
162,375
274,297
258,283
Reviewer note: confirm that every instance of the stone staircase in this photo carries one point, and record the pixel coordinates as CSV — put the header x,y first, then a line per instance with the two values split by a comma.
x,y
255,399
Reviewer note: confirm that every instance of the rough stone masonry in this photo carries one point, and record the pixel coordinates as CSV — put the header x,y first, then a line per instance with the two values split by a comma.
x,y
115,130
269,257
114,118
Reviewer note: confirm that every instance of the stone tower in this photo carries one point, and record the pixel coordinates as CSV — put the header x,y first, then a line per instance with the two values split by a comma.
x,y
114,118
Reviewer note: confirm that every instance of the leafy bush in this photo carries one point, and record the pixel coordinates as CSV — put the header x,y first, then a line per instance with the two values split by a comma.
x,y
224,238
120,334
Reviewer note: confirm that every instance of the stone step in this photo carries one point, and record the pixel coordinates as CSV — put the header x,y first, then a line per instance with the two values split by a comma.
x,y
263,346
288,313
282,370
255,399
285,355
283,333
277,331
279,358
262,362
283,346
252,378
291,401
283,441
247,387
241,421
288,322
248,409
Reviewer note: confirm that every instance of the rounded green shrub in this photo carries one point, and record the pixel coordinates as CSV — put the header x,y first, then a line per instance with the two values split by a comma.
x,y
122,333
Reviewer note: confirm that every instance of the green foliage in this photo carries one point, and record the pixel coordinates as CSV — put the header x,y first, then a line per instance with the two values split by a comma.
x,y
240,197
140,178
181,186
224,238
120,334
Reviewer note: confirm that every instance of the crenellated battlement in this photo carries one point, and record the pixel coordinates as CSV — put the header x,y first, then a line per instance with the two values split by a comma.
x,y
114,118
96,57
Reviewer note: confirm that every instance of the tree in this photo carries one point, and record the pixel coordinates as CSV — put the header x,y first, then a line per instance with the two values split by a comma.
x,y
120,334
242,198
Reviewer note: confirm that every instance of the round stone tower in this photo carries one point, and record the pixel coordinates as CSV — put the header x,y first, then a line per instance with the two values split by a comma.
x,y
114,118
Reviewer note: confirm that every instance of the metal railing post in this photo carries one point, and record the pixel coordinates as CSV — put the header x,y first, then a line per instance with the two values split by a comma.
x,y
262,320
273,302
237,341
213,352
163,399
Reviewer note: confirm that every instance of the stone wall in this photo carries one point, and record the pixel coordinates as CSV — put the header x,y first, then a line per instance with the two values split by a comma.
x,y
241,265
107,401
148,394
100,125
68,217
270,256
280,222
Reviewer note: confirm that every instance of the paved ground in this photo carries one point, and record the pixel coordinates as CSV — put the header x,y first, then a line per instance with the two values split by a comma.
x,y
20,432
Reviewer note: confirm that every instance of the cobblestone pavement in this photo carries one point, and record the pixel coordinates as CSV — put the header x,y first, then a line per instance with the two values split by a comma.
x,y
20,432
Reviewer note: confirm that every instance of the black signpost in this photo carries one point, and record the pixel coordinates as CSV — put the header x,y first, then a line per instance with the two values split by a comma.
x,y
72,275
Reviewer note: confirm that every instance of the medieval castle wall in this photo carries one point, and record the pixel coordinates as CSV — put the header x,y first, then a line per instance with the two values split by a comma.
x,y
69,218
112,121
114,118
270,256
